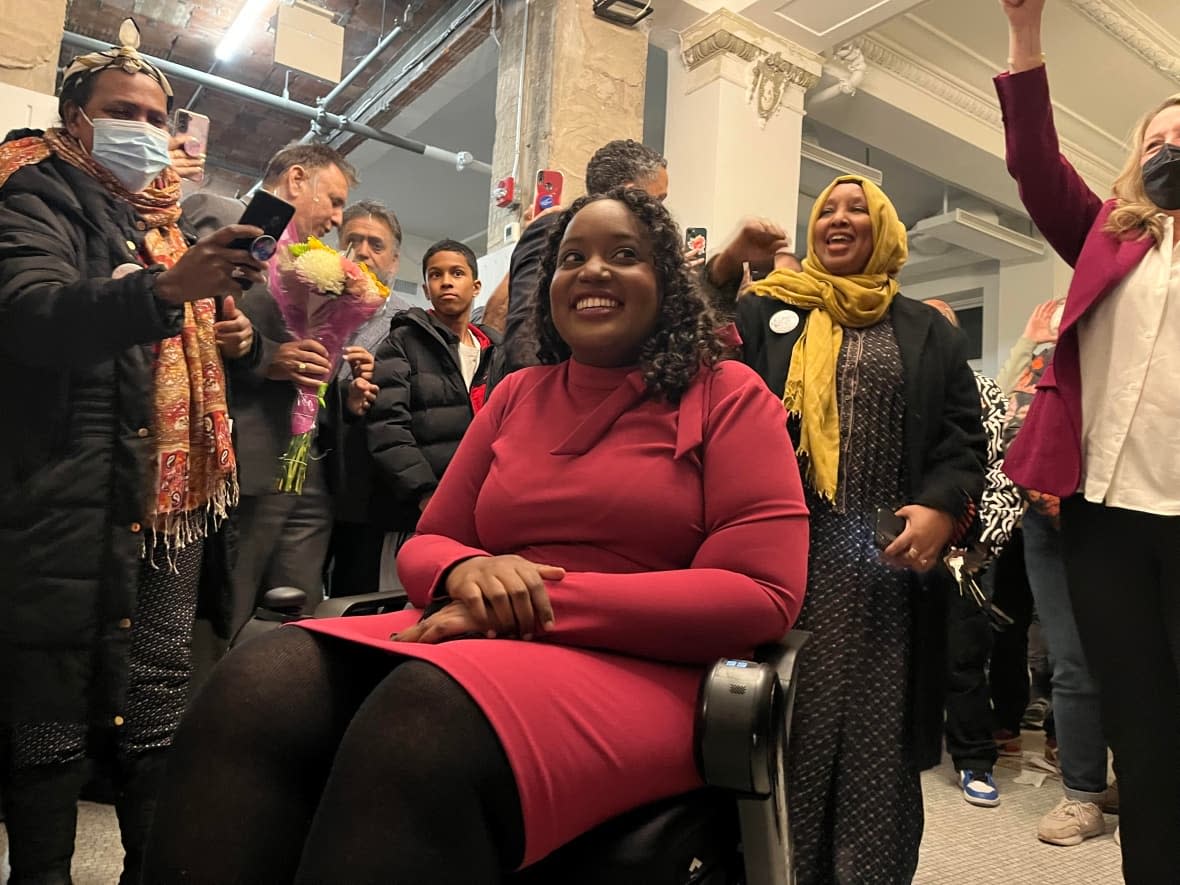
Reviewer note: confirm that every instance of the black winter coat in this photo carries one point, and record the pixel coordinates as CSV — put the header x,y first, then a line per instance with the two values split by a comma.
x,y
524,276
421,413
76,463
945,460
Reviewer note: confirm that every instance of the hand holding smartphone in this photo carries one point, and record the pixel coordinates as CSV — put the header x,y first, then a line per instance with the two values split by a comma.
x,y
696,240
549,187
194,128
272,215
190,139
888,526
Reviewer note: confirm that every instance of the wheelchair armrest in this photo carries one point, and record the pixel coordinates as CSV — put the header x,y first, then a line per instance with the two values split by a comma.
x,y
743,714
783,656
362,604
283,601
743,726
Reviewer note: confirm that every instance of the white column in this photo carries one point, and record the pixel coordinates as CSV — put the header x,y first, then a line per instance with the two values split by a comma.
x,y
734,124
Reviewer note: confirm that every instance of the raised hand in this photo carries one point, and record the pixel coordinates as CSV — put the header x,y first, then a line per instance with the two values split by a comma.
x,y
1040,328
1024,34
1023,12
185,164
755,242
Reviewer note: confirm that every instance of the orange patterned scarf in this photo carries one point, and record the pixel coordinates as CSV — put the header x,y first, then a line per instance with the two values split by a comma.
x,y
195,467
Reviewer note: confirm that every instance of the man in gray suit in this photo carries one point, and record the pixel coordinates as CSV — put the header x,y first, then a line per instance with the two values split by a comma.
x,y
374,236
283,538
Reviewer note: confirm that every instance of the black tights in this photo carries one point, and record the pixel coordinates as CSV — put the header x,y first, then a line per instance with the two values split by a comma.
x,y
307,759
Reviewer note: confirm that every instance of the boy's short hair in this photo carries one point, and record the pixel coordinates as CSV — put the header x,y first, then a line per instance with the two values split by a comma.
x,y
621,162
452,246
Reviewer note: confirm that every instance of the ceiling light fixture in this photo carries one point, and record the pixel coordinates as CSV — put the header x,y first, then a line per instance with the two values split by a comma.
x,y
243,25
627,13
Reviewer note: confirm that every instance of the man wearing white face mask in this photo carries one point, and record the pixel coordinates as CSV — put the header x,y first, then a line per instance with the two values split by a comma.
x,y
119,469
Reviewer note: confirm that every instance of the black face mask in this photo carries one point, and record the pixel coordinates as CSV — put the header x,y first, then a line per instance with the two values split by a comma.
x,y
1161,178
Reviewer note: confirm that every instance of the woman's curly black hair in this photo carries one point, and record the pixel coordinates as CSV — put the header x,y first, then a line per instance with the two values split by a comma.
x,y
685,338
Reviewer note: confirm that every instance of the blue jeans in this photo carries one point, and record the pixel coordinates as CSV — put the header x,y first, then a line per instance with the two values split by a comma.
x,y
1076,704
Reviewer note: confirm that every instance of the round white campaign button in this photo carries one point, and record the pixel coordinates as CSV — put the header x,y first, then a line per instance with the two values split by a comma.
x,y
784,321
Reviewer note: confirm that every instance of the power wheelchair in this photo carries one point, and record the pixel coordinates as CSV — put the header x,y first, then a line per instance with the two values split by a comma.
x,y
736,831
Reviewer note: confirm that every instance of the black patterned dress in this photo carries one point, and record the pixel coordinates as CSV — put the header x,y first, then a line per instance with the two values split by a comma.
x,y
159,669
854,793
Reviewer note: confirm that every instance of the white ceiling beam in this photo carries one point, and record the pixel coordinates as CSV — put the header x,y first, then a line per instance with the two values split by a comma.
x,y
1137,31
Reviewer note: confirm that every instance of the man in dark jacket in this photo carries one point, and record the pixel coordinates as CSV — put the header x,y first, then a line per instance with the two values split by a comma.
x,y
431,371
117,467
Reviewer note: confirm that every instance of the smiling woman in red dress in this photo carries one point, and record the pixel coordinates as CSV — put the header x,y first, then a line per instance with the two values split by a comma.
x,y
614,520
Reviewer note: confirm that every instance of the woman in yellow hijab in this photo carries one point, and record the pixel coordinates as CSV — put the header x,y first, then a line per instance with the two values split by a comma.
x,y
885,417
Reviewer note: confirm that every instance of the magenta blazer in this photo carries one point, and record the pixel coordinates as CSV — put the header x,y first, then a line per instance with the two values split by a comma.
x,y
1047,453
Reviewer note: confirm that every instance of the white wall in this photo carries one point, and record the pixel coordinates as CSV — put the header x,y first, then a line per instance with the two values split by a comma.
x,y
1010,293
24,109
980,281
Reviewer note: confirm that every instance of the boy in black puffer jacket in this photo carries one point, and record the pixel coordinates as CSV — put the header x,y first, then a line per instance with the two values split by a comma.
x,y
432,371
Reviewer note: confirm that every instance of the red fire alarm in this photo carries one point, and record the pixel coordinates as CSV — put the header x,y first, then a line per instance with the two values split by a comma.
x,y
504,193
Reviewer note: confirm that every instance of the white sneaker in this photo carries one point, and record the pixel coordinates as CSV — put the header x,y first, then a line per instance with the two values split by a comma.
x,y
1071,823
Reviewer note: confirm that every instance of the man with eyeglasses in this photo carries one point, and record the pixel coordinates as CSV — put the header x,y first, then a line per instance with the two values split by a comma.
x,y
373,235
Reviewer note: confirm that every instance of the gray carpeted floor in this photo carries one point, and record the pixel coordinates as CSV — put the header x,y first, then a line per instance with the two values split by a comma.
x,y
962,844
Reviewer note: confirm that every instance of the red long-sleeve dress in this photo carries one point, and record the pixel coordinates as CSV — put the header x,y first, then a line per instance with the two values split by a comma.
x,y
684,534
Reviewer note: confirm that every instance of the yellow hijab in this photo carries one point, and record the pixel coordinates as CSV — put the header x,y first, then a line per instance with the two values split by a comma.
x,y
858,301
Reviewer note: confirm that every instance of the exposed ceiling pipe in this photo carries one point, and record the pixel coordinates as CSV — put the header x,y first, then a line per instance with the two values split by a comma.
x,y
854,67
316,129
460,161
322,103
380,90
196,96
524,45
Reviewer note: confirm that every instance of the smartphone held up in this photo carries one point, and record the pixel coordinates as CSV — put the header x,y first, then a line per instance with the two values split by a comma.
x,y
549,185
268,212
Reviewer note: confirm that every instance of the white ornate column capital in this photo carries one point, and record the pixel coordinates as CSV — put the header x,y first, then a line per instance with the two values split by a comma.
x,y
775,71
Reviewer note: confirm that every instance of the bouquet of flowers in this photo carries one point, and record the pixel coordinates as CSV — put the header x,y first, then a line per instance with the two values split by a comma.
x,y
324,295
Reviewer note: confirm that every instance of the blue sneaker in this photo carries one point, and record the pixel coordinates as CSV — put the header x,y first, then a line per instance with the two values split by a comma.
x,y
979,788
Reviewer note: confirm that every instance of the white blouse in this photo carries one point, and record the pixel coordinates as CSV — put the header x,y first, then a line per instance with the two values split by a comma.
x,y
1130,361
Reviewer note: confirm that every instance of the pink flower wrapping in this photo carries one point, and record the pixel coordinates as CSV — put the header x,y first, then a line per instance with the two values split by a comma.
x,y
326,297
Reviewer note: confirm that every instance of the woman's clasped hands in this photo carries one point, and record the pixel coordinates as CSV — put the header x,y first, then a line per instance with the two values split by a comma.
x,y
491,596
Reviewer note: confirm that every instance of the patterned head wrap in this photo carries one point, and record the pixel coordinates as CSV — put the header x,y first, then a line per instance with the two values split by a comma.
x,y
126,57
